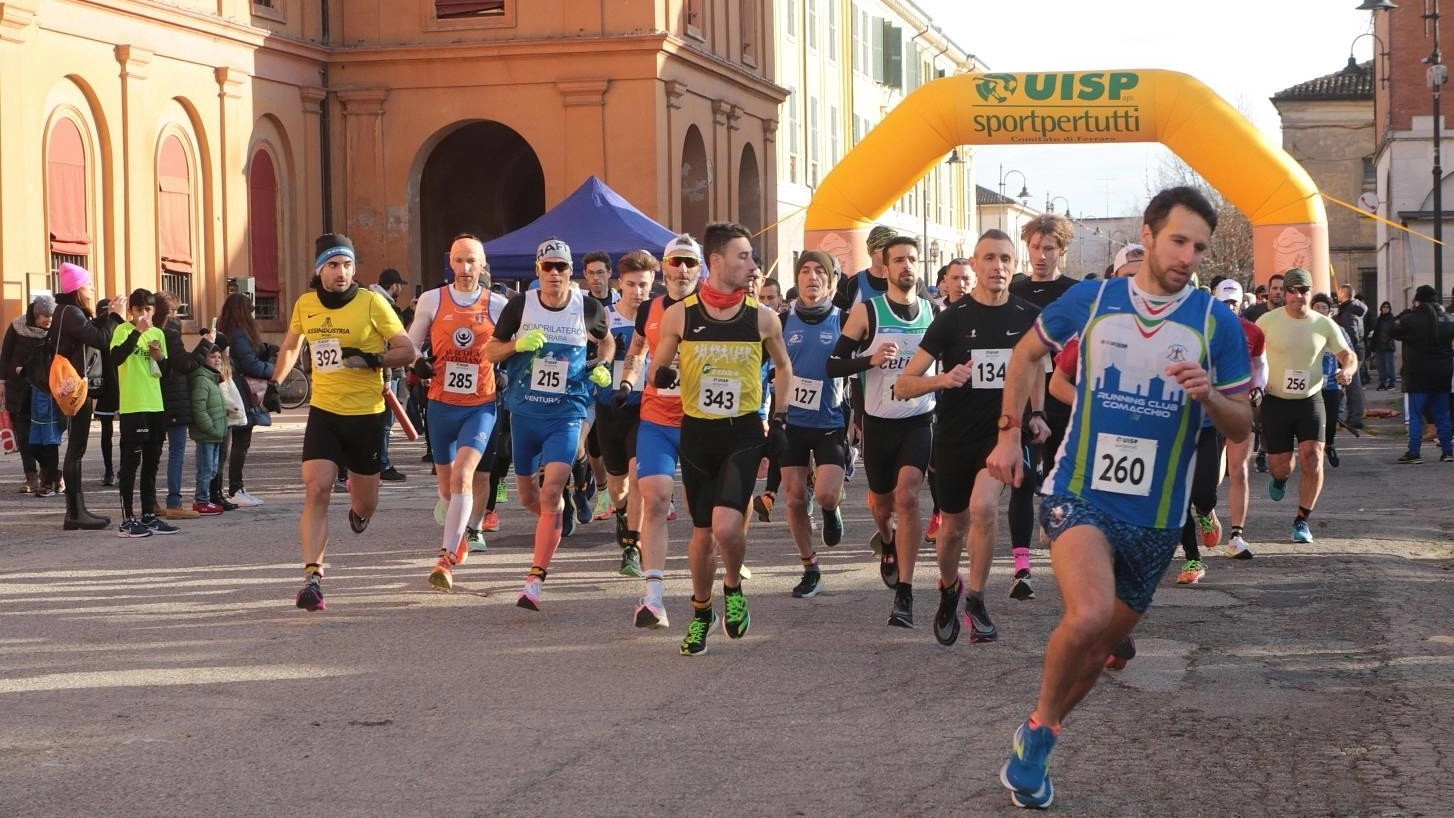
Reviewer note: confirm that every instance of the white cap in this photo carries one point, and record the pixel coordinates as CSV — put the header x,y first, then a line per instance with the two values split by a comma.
x,y
1123,256
683,246
553,249
1229,290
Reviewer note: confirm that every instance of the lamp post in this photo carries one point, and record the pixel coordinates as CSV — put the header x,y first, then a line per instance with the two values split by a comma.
x,y
1023,195
1050,204
924,208
1436,75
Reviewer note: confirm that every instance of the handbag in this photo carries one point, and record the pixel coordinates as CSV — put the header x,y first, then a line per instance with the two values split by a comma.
x,y
8,443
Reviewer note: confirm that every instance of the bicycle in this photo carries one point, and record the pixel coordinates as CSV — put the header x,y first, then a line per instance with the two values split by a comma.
x,y
297,387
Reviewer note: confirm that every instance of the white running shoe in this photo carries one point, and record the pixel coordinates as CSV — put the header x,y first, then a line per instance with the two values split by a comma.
x,y
244,499
530,596
651,614
1237,549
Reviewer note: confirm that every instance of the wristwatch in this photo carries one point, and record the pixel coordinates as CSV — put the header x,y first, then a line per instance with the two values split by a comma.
x,y
1008,422
1037,414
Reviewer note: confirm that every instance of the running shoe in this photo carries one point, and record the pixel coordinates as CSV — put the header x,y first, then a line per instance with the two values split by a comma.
x,y
441,510
476,540
1301,532
738,619
1191,572
703,624
500,493
567,514
207,509
530,595
888,560
245,499
491,522
224,503
850,467
832,527
630,562
1237,549
1210,528
981,627
621,528
1277,489
132,528
1333,459
461,550
442,577
651,614
603,508
1026,773
1021,588
1446,457
158,525
933,530
340,486
108,480
583,505
946,619
1410,458
671,511
902,614
1261,462
810,585
393,475
744,572
357,523
1123,652
762,504
310,598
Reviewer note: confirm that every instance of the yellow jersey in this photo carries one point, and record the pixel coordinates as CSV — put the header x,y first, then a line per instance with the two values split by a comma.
x,y
366,323
721,362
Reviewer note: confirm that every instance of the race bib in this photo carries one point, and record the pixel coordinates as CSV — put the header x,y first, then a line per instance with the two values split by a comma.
x,y
327,355
807,394
460,378
1123,464
719,397
548,375
987,368
1295,381
618,374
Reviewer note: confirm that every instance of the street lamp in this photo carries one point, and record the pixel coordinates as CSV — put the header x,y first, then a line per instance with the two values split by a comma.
x,y
1050,204
924,207
1023,195
1436,75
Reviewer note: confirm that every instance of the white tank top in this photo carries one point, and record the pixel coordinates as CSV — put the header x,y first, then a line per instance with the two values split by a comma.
x,y
878,396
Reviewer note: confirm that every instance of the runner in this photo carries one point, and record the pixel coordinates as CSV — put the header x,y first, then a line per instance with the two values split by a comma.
x,y
971,344
1292,410
1239,453
618,410
721,336
896,431
544,338
658,438
815,427
353,335
1155,355
589,472
456,323
955,280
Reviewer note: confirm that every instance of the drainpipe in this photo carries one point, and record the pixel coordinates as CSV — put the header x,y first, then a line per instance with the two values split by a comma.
x,y
325,129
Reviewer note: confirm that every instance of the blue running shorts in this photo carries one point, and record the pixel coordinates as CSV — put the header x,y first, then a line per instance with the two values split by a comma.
x,y
1141,554
538,441
451,427
657,449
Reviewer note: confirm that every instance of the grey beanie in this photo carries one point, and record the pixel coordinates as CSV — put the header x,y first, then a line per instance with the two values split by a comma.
x,y
43,304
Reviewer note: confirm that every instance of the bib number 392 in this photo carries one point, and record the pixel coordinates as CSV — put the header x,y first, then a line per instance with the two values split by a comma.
x,y
548,375
1124,465
327,355
720,397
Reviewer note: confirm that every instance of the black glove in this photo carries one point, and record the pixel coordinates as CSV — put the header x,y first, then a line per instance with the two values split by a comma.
x,y
423,369
623,394
665,378
777,436
365,360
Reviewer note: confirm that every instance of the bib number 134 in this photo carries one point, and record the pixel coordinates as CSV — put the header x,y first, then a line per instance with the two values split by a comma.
x,y
1124,465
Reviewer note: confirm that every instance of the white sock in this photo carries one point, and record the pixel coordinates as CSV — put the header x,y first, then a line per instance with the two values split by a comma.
x,y
653,587
455,519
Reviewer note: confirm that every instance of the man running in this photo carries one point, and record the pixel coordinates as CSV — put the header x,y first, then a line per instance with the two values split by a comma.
x,y
658,438
720,336
456,323
589,472
815,430
353,337
618,410
971,342
1292,409
543,338
879,338
1156,354
1239,452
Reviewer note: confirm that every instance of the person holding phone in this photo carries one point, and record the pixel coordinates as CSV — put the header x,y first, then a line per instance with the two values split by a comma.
x,y
139,347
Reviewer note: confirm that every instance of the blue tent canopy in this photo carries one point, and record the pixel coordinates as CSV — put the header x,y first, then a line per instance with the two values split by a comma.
x,y
594,217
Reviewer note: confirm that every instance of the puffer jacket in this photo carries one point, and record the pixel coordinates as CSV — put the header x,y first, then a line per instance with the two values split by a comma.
x,y
176,389
21,339
248,363
209,410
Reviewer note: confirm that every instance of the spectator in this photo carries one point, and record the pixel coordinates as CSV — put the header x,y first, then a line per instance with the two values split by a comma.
x,y
23,335
1428,366
1384,347
108,400
1349,315
209,423
79,330
250,359
392,286
177,398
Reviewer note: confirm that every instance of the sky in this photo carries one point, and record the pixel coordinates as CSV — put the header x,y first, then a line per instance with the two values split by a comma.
x,y
1245,50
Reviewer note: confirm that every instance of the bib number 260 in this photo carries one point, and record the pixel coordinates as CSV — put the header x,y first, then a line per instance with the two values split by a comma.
x,y
1123,464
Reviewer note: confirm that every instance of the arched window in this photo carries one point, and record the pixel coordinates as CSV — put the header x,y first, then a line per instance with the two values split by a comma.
x,y
65,196
262,218
174,222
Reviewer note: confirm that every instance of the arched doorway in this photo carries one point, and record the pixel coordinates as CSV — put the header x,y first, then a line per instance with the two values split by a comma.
x,y
749,194
483,178
696,184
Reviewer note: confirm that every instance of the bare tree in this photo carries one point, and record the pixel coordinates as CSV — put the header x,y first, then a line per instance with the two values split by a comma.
x,y
1230,254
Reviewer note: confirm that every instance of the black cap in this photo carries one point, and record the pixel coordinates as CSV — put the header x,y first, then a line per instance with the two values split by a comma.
x,y
1426,295
389,277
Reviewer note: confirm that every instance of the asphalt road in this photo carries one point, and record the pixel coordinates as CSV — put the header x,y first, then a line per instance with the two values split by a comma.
x,y
172,676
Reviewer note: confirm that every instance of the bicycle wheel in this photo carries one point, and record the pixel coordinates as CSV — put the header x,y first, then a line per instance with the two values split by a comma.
x,y
295,390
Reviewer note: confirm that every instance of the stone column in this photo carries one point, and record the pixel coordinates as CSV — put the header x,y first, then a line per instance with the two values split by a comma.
x,y
585,129
138,262
230,248
769,195
303,209
362,179
17,200
719,151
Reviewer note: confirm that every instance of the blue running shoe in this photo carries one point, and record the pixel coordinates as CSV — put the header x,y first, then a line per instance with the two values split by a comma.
x,y
1026,773
1276,489
1301,532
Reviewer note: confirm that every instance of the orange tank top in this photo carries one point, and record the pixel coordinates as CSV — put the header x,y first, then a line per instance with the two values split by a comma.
x,y
660,406
463,376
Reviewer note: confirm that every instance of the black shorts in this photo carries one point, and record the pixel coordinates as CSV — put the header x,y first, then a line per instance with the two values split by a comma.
x,y
1285,423
615,430
956,466
719,463
826,447
351,441
890,445
142,429
593,443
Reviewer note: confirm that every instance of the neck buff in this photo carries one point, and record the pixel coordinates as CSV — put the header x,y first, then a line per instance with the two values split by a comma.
x,y
818,311
333,300
717,299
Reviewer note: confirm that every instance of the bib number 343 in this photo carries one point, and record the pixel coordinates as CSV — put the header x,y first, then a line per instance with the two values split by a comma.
x,y
720,397
1124,465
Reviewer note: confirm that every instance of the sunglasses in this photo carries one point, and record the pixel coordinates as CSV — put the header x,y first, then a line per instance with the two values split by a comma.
x,y
555,266
689,263
1300,290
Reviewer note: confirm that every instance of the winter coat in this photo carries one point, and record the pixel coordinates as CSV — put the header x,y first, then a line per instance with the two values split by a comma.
x,y
21,339
1428,360
1350,317
176,374
1383,333
246,362
209,410
79,331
